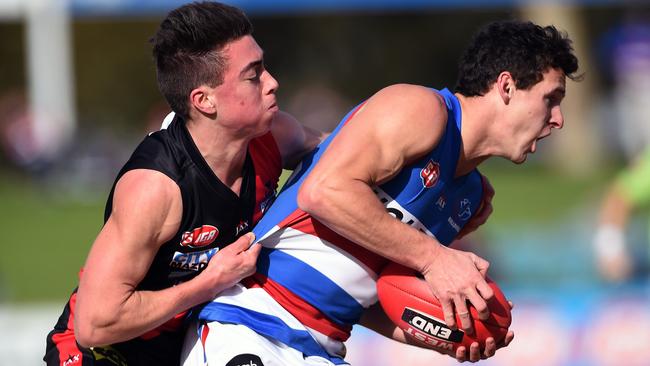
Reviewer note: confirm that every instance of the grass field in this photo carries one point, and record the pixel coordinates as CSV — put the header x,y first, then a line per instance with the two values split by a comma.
x,y
46,234
45,240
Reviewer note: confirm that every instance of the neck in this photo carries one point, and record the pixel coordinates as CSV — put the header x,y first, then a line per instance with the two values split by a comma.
x,y
476,144
224,152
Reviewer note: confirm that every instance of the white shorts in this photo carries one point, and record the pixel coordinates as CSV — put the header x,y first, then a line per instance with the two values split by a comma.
x,y
217,344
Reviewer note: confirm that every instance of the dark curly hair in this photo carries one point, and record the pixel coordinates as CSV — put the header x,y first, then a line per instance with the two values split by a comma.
x,y
524,49
187,49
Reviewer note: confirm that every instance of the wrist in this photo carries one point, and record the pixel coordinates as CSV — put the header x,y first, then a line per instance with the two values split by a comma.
x,y
202,287
430,257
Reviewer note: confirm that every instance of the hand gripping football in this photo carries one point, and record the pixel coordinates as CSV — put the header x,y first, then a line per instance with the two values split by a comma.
x,y
409,303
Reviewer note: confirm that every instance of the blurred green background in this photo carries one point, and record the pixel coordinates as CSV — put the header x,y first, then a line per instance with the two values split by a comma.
x,y
50,230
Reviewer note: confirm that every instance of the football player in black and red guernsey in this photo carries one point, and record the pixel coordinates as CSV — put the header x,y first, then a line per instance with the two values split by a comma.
x,y
184,196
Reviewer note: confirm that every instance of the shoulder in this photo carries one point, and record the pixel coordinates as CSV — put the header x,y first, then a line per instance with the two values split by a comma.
x,y
286,129
411,113
159,151
420,106
416,98
145,189
149,202
293,139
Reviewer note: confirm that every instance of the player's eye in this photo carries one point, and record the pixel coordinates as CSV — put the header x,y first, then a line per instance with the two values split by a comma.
x,y
255,75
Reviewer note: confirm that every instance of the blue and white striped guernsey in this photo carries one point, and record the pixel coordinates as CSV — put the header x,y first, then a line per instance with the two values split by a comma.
x,y
322,281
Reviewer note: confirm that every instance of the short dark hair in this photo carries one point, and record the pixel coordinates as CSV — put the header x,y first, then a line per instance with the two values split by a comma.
x,y
524,49
187,49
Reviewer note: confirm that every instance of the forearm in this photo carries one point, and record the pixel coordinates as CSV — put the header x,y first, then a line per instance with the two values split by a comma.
x,y
355,213
110,311
102,318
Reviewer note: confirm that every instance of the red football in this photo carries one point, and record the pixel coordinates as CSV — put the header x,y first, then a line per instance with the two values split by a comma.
x,y
409,303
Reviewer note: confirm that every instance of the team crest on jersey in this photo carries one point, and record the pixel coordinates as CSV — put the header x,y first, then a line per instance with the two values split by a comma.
x,y
430,174
199,237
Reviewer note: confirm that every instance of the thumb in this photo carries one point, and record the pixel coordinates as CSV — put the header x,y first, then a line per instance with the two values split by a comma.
x,y
244,241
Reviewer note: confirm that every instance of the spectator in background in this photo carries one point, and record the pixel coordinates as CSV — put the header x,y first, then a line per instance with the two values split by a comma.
x,y
629,192
625,54
17,133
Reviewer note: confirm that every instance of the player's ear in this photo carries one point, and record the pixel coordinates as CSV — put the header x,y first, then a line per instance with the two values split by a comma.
x,y
505,85
203,100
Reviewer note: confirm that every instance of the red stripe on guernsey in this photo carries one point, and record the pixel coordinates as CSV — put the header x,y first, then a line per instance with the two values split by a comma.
x,y
295,217
353,113
172,325
303,222
65,341
268,167
204,333
304,312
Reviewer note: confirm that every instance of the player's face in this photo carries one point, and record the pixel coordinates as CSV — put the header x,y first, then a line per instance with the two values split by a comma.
x,y
246,98
535,113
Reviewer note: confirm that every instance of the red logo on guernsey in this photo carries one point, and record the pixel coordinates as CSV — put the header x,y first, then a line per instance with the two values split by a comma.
x,y
430,174
199,237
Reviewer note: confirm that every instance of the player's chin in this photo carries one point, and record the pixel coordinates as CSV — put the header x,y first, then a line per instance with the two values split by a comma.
x,y
262,128
521,159
267,118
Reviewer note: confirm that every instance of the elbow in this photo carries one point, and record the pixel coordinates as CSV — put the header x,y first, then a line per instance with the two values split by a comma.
x,y
85,336
311,198
88,334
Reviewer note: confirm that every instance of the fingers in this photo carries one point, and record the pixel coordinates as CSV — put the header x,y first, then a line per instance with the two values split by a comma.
x,y
490,348
480,305
242,243
464,315
460,354
249,238
485,290
474,352
255,249
509,337
481,264
252,253
448,311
